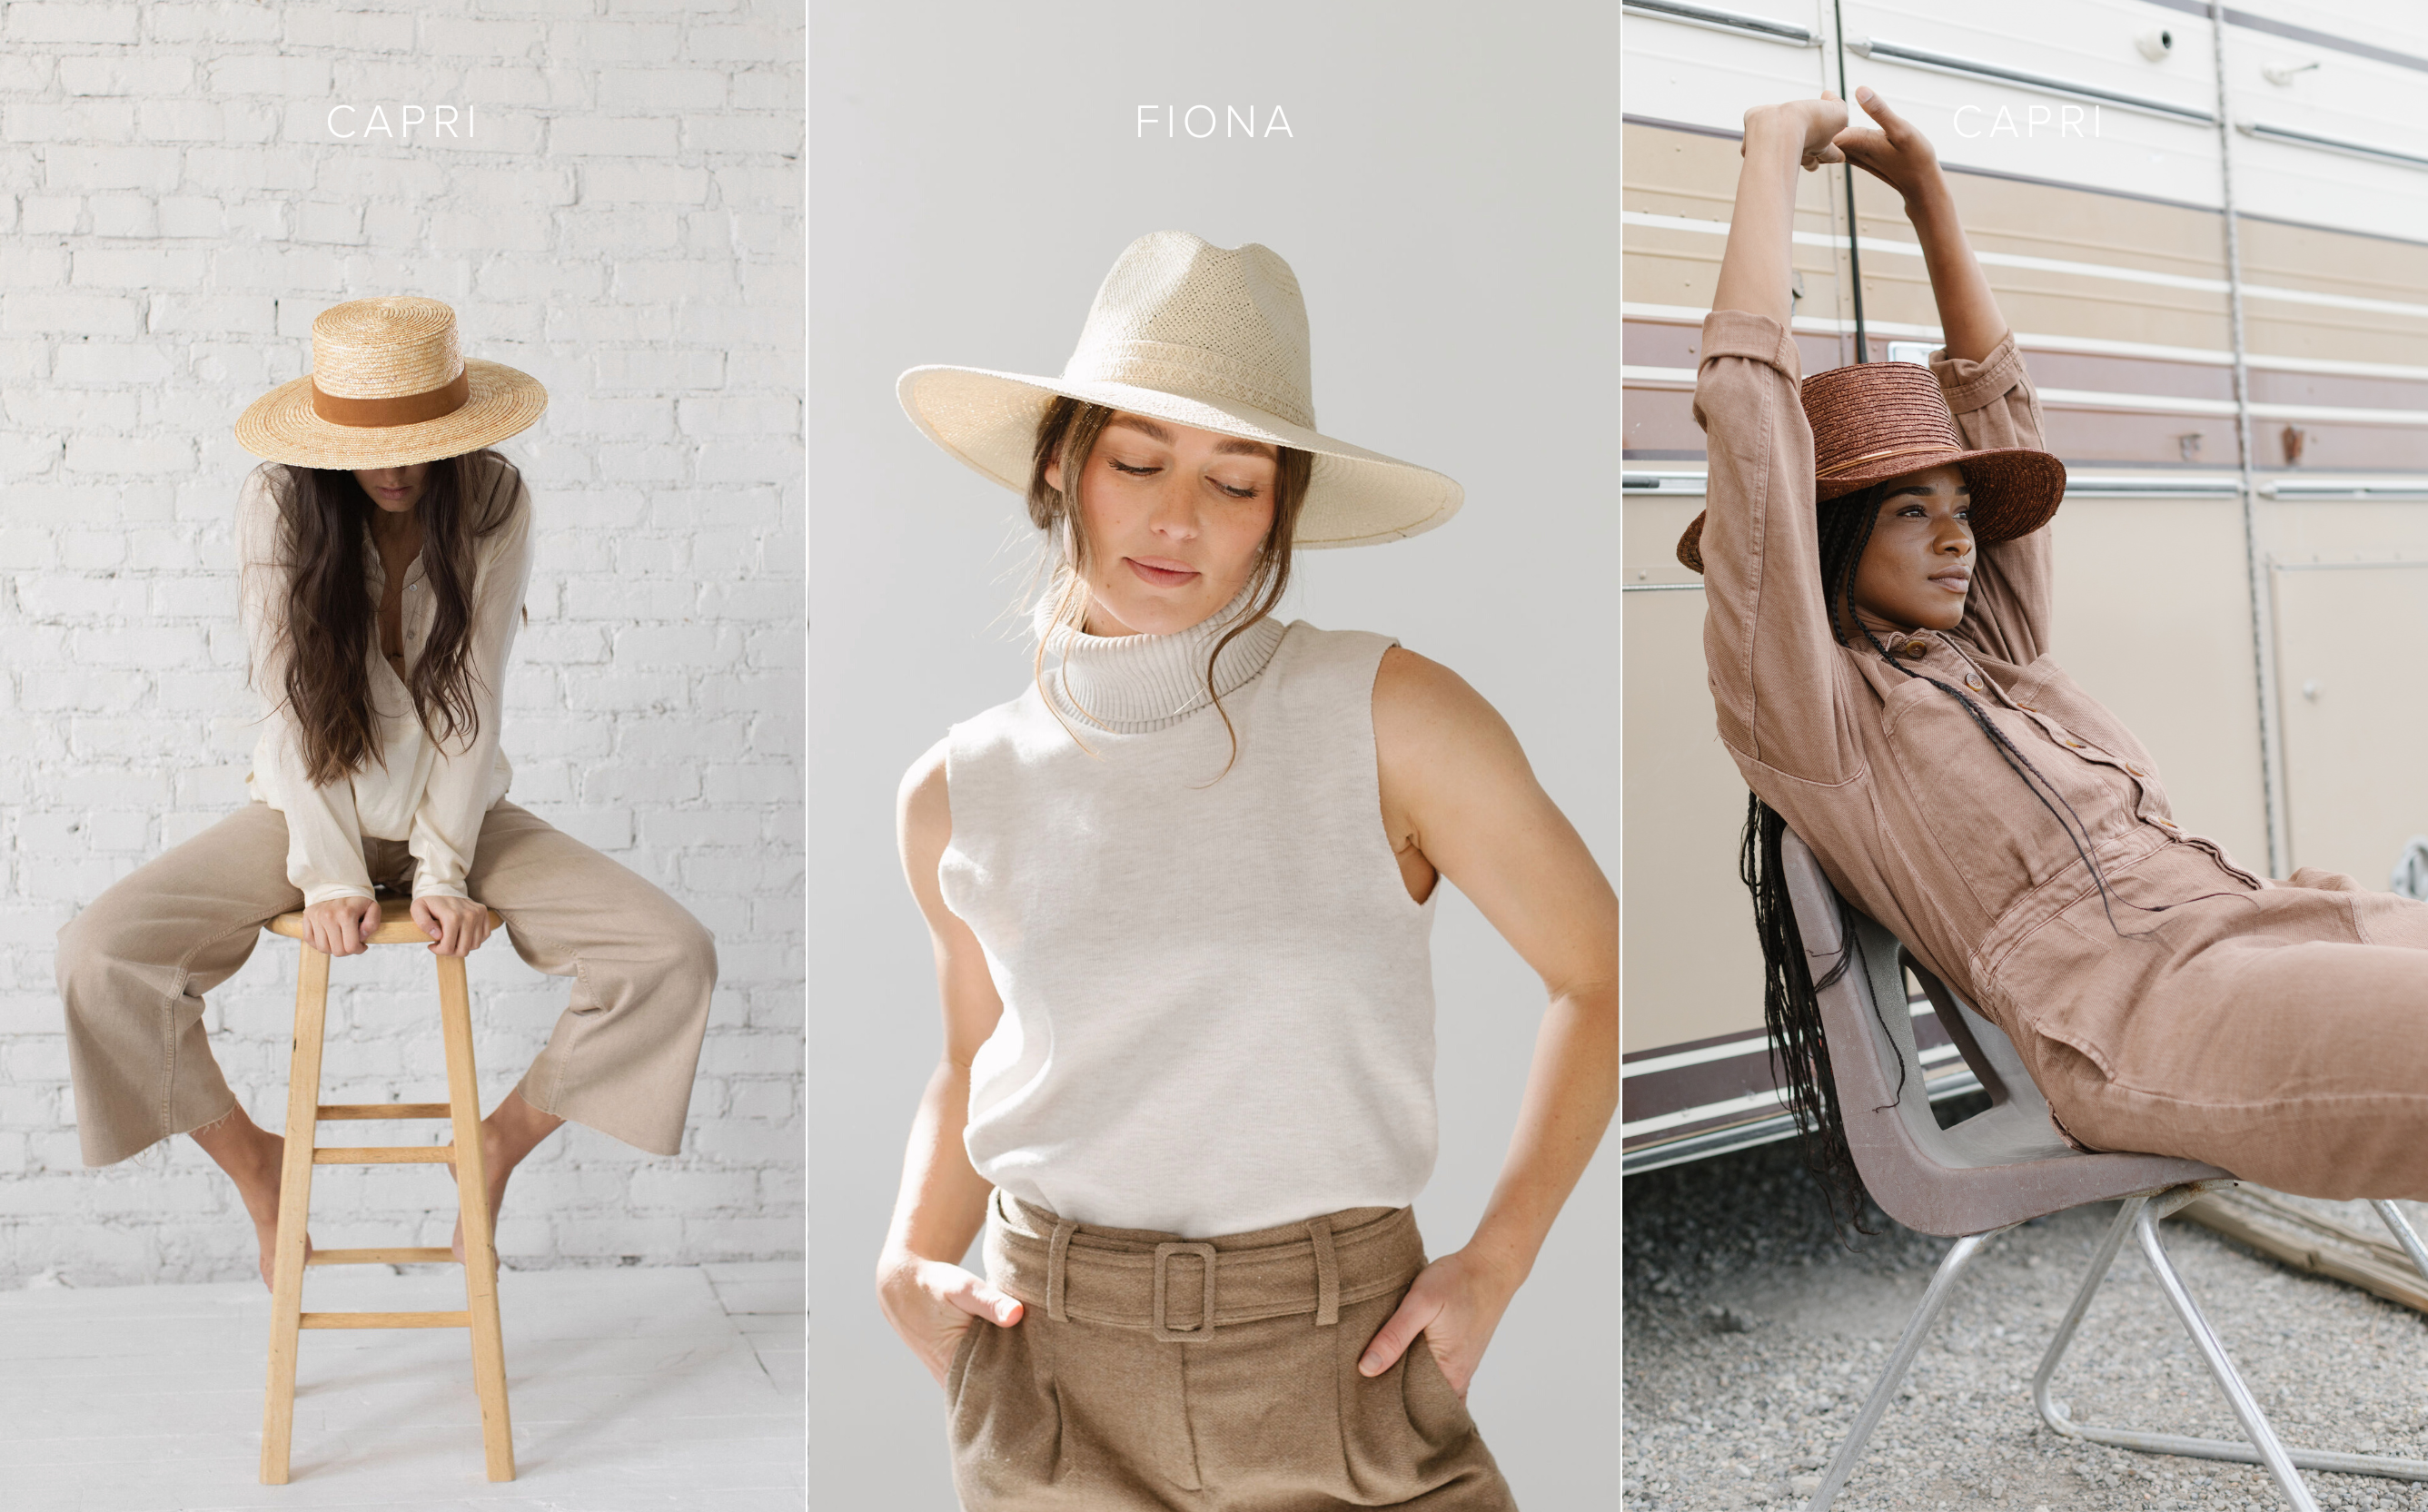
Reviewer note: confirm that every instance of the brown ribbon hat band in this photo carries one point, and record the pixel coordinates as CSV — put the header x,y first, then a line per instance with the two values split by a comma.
x,y
389,387
407,409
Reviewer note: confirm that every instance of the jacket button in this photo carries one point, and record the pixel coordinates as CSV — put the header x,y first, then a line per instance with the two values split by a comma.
x,y
1973,680
2076,744
2134,769
1916,649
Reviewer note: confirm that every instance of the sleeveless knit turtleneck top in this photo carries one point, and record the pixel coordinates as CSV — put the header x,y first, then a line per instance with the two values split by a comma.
x,y
1217,994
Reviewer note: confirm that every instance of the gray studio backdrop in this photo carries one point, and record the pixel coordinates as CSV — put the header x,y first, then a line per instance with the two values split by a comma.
x,y
1447,191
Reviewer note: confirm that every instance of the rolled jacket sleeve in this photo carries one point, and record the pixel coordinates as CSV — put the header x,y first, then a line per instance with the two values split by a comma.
x,y
325,839
1773,662
461,784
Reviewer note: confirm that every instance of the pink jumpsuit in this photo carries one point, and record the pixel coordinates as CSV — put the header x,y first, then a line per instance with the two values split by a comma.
x,y
2277,1029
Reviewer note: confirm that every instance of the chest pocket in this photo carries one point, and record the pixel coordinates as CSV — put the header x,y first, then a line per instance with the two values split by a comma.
x,y
1991,823
2046,689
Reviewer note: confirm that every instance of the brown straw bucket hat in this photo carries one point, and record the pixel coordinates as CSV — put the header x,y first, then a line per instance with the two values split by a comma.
x,y
1211,337
1874,421
389,387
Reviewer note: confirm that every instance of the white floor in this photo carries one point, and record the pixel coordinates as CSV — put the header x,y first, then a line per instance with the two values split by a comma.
x,y
631,1391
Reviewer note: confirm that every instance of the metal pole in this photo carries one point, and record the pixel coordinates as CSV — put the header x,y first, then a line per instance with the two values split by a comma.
x,y
1854,225
2263,636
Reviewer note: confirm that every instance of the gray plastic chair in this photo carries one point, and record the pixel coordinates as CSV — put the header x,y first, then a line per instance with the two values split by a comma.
x,y
2006,1167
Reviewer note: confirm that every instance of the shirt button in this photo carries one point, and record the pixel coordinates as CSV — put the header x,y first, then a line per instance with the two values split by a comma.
x,y
2076,744
1916,648
2168,822
2134,769
1973,680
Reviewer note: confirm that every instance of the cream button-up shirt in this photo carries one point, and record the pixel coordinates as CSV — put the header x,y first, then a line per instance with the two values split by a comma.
x,y
428,794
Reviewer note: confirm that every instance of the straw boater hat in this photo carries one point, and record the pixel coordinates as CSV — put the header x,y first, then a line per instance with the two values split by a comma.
x,y
1874,421
389,387
1213,337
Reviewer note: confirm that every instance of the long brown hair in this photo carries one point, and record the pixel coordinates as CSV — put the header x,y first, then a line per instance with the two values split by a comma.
x,y
1067,434
328,625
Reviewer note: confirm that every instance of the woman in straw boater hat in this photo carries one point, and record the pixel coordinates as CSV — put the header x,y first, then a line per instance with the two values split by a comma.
x,y
1179,892
1876,563
384,554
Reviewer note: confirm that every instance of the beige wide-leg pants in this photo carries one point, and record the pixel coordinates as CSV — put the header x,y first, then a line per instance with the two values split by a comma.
x,y
133,967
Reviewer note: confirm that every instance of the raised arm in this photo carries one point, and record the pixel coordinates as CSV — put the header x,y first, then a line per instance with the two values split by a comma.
x,y
2008,612
926,1294
1457,791
1900,157
1766,643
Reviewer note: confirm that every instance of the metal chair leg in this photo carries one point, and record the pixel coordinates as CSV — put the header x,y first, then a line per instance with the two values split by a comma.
x,y
2141,1217
2246,1407
2403,1234
1934,1302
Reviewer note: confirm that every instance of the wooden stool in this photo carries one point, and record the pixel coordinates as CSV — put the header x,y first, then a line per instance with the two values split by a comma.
x,y
304,1111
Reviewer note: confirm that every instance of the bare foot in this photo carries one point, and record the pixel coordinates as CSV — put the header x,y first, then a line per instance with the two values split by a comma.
x,y
252,1158
512,1131
495,1164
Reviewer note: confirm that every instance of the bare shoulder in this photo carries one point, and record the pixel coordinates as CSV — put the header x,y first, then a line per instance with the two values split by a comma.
x,y
1423,710
923,811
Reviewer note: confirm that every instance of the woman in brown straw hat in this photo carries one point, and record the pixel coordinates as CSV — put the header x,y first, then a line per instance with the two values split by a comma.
x,y
384,551
1878,572
1180,892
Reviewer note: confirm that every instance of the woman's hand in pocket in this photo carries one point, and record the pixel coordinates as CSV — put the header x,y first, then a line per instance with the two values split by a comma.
x,y
931,1304
1456,1304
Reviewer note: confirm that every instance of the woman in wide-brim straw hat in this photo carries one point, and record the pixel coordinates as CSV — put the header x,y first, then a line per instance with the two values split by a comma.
x,y
1877,570
1180,890
384,549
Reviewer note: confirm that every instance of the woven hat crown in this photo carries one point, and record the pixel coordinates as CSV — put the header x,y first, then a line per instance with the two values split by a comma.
x,y
1875,412
1182,315
387,348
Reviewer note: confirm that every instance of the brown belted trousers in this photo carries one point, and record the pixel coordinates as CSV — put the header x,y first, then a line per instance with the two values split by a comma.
x,y
1218,1375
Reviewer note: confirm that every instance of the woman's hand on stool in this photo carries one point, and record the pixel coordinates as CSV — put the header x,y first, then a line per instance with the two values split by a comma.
x,y
456,926
337,926
931,1304
1451,1309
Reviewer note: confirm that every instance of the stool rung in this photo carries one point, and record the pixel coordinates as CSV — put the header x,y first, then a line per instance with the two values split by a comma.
x,y
404,1256
385,1110
384,1155
385,1320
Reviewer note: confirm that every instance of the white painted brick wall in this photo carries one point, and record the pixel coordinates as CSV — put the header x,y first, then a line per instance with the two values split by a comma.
x,y
625,224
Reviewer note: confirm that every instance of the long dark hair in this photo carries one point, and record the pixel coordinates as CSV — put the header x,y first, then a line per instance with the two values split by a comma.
x,y
328,625
1067,434
1791,999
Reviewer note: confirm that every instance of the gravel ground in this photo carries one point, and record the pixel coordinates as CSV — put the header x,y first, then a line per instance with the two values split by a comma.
x,y
1752,1337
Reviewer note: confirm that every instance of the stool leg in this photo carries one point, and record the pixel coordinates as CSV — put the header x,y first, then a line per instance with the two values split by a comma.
x,y
472,1200
294,1212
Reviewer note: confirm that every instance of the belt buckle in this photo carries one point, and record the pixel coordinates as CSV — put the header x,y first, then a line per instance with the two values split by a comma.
x,y
1205,1329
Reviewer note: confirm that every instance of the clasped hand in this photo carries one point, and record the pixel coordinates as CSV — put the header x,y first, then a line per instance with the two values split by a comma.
x,y
339,926
1894,152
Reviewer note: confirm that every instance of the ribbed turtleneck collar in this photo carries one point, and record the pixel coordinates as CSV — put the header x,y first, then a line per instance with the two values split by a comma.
x,y
1132,684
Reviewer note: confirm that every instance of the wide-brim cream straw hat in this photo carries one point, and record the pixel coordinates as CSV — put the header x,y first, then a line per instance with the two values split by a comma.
x,y
1200,336
389,387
